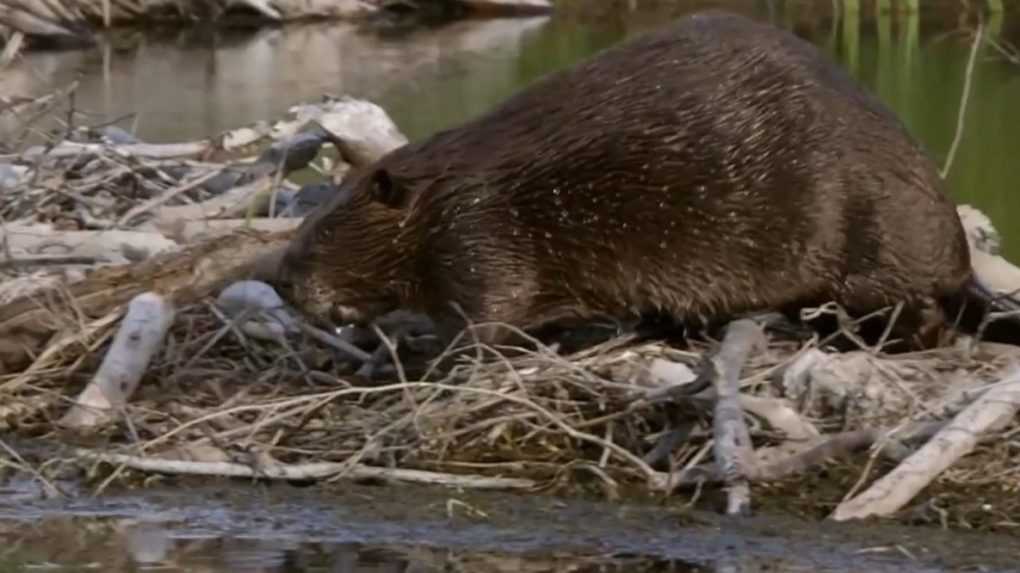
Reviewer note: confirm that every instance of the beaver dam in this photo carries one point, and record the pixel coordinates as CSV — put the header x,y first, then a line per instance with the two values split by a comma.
x,y
134,346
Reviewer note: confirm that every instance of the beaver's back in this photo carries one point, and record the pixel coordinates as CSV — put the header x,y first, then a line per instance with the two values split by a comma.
x,y
712,167
717,165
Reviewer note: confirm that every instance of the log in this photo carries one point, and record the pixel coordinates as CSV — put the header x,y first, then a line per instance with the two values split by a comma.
x,y
74,19
361,130
183,277
37,244
45,20
139,338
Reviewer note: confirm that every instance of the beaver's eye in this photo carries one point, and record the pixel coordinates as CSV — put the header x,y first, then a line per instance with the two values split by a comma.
x,y
387,191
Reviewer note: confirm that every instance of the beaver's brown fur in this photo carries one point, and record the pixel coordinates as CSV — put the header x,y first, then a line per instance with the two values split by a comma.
x,y
714,167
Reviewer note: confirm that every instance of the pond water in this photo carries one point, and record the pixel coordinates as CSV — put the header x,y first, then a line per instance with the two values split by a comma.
x,y
249,528
184,85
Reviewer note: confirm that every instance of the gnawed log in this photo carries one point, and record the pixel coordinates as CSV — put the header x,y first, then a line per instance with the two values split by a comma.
x,y
139,338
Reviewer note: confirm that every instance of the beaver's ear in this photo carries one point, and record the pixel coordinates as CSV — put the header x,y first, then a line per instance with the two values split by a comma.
x,y
387,191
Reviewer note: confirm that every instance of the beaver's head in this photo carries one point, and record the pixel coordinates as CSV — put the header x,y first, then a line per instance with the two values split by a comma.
x,y
350,259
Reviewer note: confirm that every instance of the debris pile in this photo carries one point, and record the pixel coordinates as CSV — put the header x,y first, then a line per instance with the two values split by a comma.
x,y
128,313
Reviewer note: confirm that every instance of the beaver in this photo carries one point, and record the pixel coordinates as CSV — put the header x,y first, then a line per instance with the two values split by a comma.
x,y
715,167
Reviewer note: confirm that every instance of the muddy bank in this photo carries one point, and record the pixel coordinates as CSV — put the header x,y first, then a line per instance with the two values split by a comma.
x,y
185,524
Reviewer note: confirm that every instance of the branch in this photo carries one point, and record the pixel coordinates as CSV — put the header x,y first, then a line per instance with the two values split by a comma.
x,y
313,471
988,413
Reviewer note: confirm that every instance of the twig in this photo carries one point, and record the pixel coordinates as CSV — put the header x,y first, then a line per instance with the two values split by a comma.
x,y
165,196
964,98
313,471
51,490
335,342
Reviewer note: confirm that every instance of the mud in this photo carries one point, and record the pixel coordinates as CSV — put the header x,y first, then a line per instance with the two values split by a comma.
x,y
185,525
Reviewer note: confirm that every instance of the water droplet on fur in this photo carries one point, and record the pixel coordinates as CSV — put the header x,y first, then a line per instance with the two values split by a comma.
x,y
476,201
556,191
548,235
514,212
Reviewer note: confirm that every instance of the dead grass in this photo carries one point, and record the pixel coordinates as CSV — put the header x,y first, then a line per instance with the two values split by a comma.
x,y
217,395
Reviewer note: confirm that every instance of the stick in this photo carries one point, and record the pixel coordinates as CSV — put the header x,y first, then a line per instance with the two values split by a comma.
x,y
139,338
311,471
996,407
187,150
186,232
964,98
12,49
733,451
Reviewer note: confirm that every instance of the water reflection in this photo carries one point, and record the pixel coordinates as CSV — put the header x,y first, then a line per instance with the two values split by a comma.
x,y
128,545
405,528
193,84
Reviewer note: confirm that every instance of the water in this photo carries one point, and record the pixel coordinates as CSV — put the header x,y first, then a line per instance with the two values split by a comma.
x,y
187,526
196,83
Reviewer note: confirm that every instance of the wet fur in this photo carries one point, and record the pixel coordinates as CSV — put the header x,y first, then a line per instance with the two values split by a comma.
x,y
711,168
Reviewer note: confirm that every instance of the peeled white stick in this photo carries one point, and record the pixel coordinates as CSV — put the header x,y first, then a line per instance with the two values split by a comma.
x,y
139,338
734,453
312,471
990,412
